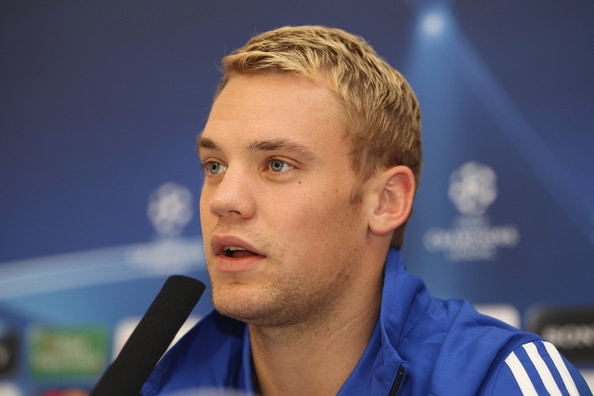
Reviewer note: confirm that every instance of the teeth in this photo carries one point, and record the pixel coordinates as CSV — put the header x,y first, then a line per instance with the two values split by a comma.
x,y
229,250
233,248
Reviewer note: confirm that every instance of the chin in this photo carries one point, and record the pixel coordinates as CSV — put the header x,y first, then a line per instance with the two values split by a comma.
x,y
236,300
250,308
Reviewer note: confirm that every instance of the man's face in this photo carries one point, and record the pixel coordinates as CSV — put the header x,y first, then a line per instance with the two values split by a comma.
x,y
283,241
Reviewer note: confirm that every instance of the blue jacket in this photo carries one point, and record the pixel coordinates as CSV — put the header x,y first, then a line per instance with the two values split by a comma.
x,y
420,346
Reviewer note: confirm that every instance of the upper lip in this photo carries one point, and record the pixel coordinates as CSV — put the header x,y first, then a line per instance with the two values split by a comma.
x,y
218,244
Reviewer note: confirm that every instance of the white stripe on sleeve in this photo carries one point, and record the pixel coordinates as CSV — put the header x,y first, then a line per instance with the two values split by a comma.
x,y
562,368
543,370
520,375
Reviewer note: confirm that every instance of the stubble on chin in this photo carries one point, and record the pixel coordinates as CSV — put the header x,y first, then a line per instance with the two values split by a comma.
x,y
267,307
238,303
277,306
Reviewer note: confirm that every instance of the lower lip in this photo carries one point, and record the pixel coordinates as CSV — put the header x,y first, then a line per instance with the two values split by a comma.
x,y
235,265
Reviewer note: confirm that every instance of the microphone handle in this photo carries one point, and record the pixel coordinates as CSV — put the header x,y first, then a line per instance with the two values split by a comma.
x,y
151,337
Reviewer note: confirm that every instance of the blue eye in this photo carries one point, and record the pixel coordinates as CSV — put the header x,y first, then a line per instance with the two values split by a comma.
x,y
279,166
214,168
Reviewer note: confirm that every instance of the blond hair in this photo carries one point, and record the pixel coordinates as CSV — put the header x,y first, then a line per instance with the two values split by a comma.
x,y
383,114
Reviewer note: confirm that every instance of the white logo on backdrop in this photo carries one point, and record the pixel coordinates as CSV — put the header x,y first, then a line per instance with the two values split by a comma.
x,y
170,210
473,189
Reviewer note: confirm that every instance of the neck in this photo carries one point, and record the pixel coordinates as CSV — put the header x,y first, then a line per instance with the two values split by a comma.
x,y
314,358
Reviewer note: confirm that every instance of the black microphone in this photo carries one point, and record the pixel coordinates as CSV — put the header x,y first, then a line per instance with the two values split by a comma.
x,y
151,337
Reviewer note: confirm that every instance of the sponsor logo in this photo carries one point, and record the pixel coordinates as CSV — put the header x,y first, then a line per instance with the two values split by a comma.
x,y
570,329
63,352
472,190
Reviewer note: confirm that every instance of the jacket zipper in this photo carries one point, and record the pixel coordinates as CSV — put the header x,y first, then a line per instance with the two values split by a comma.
x,y
397,381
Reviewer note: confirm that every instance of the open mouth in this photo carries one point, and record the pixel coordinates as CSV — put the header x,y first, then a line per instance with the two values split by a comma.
x,y
237,252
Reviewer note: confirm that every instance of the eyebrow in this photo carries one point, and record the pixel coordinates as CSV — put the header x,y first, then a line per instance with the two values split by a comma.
x,y
204,142
279,144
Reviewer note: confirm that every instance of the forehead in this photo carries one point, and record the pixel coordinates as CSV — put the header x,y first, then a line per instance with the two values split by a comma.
x,y
275,106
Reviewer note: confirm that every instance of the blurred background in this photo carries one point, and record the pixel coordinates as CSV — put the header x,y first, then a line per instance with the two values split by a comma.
x,y
101,103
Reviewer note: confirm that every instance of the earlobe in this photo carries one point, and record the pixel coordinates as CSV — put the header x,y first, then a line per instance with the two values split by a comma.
x,y
396,190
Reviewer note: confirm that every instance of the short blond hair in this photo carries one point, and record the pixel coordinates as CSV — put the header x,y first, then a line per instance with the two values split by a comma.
x,y
383,114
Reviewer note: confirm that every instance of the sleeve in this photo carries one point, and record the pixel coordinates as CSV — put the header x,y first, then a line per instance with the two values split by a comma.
x,y
537,368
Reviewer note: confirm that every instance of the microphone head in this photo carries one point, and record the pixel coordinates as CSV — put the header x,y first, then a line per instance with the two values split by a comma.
x,y
151,337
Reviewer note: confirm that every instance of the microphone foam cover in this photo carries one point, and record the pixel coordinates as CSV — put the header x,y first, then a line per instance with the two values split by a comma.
x,y
151,337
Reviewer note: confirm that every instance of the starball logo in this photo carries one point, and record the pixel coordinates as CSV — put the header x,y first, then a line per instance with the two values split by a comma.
x,y
472,190
170,210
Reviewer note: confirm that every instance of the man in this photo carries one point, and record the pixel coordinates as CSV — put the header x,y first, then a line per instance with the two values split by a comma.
x,y
312,155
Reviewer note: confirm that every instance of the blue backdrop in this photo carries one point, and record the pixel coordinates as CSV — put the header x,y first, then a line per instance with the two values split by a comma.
x,y
101,103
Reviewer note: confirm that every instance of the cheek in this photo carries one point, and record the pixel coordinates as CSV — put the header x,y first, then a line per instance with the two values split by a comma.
x,y
318,221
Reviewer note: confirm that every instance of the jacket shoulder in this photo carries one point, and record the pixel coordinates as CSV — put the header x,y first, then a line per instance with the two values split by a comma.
x,y
535,368
212,343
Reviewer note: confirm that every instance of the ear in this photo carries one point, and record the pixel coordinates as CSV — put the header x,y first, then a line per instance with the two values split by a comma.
x,y
394,194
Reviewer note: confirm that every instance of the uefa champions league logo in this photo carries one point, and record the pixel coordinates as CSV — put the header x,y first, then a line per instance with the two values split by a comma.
x,y
472,190
170,209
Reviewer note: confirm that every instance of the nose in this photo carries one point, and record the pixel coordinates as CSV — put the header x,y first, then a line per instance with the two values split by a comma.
x,y
231,196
